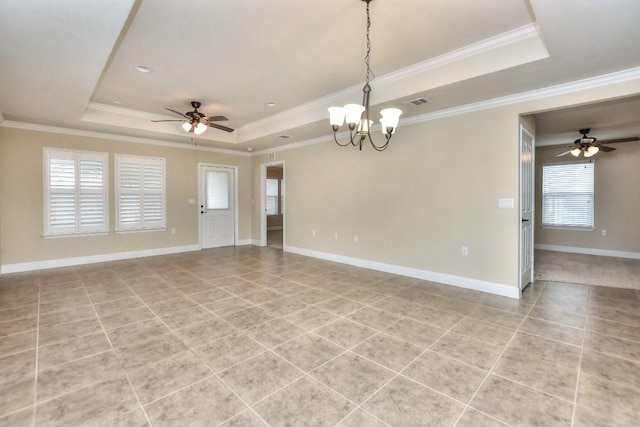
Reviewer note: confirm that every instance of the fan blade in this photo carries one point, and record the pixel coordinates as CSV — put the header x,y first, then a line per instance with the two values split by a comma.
x,y
176,120
178,113
614,141
605,148
564,154
217,119
224,128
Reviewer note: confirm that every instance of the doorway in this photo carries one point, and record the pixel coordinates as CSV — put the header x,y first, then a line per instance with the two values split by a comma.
x,y
273,185
218,205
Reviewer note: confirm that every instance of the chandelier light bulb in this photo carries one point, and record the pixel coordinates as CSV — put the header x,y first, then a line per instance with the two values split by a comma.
x,y
365,126
576,152
336,117
186,127
353,113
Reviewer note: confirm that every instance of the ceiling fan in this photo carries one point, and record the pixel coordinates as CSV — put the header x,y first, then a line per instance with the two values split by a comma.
x,y
589,146
196,122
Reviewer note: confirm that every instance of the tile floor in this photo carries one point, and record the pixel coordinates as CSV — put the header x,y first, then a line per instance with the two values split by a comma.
x,y
251,337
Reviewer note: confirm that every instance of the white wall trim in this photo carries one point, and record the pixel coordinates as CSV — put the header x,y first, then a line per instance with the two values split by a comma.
x,y
245,242
447,279
67,262
589,251
115,137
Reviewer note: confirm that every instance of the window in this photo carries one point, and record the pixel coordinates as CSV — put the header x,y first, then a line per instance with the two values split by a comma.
x,y
218,196
272,196
75,192
567,195
140,193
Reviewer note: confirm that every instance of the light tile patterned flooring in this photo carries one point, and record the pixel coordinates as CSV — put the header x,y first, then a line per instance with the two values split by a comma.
x,y
251,336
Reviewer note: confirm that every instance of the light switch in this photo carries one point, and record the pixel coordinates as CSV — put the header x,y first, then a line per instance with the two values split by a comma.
x,y
505,203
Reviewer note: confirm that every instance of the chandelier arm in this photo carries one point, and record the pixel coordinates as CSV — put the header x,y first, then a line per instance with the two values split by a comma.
x,y
341,145
382,147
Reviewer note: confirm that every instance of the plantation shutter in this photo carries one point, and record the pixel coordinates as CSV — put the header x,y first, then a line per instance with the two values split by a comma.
x,y
141,193
567,195
75,192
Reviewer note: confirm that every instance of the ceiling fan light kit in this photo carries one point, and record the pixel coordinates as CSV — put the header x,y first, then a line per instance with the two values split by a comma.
x,y
357,115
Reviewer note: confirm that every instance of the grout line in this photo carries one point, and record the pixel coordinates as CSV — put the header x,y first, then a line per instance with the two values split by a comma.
x,y
495,363
35,385
104,331
575,396
215,374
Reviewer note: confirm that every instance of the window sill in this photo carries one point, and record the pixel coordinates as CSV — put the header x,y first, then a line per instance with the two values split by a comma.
x,y
141,230
559,227
61,236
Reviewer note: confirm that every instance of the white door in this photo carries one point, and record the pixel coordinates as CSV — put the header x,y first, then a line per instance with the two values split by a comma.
x,y
217,206
526,207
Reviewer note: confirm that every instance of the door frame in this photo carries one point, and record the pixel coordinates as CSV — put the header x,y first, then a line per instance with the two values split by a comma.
x,y
263,198
522,132
235,199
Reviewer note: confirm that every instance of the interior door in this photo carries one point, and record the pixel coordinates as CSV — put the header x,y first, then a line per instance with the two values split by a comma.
x,y
526,206
217,206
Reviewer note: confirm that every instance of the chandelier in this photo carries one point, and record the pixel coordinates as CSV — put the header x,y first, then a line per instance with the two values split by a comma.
x,y
357,116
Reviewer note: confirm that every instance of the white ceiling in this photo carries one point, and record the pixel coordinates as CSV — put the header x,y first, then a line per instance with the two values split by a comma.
x,y
66,63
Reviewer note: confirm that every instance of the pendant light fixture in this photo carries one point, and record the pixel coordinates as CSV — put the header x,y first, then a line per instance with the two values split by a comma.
x,y
357,116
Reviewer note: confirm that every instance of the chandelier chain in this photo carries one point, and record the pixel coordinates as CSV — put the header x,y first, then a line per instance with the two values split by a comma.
x,y
367,57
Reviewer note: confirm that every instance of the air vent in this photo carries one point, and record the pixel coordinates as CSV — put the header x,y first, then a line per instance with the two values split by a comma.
x,y
417,101
285,136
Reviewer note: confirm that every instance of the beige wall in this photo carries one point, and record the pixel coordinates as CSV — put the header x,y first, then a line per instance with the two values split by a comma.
x,y
416,204
21,209
616,204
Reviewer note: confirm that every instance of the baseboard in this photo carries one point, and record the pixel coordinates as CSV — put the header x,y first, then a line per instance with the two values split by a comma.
x,y
447,279
589,251
245,242
67,262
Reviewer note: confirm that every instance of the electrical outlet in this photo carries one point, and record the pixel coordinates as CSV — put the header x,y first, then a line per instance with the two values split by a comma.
x,y
335,236
313,233
465,251
355,238
604,233
173,231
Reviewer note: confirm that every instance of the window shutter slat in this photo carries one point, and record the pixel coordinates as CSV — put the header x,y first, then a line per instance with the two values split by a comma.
x,y
567,195
140,193
75,192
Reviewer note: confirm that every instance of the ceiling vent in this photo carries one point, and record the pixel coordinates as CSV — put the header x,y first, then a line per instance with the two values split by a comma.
x,y
417,101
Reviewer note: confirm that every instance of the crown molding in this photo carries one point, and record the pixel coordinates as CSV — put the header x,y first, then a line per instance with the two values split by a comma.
x,y
561,89
115,137
472,50
483,46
